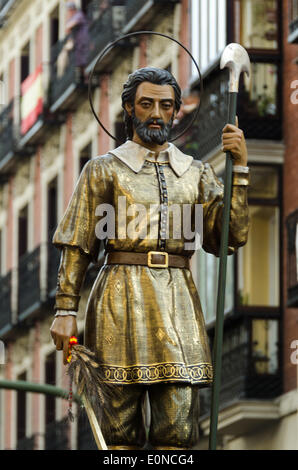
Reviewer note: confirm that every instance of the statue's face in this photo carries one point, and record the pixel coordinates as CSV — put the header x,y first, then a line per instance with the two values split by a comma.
x,y
153,112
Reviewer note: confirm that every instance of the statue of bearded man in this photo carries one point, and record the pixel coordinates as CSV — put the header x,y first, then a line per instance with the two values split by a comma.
x,y
144,319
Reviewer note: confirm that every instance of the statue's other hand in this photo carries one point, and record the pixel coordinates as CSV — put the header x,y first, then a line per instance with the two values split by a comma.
x,y
61,330
233,140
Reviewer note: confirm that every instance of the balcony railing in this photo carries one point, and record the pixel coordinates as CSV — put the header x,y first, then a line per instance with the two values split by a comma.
x,y
65,76
102,31
245,372
258,112
5,302
6,133
134,8
28,283
293,21
56,435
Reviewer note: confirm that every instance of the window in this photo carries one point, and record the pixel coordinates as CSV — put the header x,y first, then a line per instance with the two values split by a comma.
x,y
54,26
52,207
257,283
208,32
256,27
258,280
260,96
85,155
120,132
25,62
208,269
23,232
257,23
265,336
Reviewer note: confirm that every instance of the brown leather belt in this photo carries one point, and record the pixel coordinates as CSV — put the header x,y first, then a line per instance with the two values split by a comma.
x,y
153,259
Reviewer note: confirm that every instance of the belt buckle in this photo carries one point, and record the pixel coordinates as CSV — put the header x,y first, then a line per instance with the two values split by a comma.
x,y
153,265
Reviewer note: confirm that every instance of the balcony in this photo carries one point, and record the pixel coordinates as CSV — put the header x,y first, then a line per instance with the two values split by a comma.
x,y
250,367
292,274
293,21
139,13
66,80
106,22
5,301
258,110
33,112
7,143
28,284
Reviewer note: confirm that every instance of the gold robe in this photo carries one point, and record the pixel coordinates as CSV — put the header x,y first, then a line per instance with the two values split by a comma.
x,y
145,324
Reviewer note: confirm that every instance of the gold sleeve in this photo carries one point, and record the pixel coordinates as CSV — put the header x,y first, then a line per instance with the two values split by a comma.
x,y
211,193
77,227
76,236
71,274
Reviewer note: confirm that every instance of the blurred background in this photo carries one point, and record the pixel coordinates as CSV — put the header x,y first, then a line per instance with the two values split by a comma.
x,y
47,133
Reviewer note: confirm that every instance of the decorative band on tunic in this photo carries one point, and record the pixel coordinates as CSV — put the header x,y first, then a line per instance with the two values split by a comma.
x,y
155,373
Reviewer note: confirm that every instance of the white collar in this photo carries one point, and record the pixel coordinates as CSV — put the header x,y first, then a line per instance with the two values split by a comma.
x,y
134,156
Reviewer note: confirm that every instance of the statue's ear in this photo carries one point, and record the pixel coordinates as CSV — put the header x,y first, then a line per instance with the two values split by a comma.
x,y
128,108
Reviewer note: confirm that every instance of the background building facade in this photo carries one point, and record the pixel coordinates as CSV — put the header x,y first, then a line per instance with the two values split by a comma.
x,y
47,133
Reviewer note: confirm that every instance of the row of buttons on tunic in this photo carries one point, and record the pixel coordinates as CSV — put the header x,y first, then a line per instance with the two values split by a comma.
x,y
164,206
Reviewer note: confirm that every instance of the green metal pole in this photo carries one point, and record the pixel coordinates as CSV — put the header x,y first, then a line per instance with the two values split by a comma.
x,y
46,389
218,339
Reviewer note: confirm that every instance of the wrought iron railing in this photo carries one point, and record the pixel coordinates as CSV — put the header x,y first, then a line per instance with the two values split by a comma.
x,y
101,32
134,6
28,282
64,72
5,301
239,376
56,435
258,117
205,134
6,131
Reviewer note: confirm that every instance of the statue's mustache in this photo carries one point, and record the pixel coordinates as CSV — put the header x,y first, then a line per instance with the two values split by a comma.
x,y
158,122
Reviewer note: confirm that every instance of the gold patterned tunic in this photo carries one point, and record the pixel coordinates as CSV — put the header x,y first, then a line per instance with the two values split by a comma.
x,y
145,324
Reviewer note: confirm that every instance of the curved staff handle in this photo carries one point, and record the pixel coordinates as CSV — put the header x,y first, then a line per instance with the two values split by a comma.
x,y
237,60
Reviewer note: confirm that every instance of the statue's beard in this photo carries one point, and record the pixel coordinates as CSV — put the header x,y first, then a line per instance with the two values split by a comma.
x,y
148,135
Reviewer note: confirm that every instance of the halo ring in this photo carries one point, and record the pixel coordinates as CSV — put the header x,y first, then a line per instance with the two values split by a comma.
x,y
138,33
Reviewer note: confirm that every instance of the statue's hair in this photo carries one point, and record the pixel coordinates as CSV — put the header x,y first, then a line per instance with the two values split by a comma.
x,y
146,74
